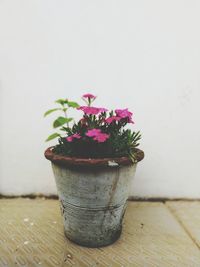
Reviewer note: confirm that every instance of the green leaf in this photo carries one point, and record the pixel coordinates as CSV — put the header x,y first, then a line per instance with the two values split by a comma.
x,y
66,129
52,136
62,101
73,104
50,111
60,121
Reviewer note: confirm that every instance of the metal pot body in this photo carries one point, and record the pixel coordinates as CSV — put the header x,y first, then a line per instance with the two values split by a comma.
x,y
93,202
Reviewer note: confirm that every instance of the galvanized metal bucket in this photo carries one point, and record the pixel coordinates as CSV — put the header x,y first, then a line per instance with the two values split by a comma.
x,y
93,200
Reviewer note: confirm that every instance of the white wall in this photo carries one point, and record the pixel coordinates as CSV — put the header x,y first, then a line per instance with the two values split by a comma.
x,y
139,54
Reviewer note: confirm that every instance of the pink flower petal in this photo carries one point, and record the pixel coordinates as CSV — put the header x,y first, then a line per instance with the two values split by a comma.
x,y
74,136
91,110
113,118
97,135
101,138
102,110
93,132
124,113
69,139
89,96
77,136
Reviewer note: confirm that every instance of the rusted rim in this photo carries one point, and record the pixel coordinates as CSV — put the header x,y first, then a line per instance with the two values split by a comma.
x,y
86,162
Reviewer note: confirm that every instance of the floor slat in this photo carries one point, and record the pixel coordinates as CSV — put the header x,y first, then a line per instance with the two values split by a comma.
x,y
32,235
188,214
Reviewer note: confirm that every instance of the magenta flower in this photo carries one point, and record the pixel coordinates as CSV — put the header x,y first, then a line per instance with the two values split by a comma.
x,y
124,114
91,110
101,138
97,135
74,136
69,138
93,132
89,96
111,119
77,136
102,110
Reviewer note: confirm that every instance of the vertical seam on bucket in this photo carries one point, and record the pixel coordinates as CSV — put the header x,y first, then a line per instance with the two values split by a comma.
x,y
114,186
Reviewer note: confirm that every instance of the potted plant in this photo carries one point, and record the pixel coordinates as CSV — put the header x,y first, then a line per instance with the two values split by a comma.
x,y
93,164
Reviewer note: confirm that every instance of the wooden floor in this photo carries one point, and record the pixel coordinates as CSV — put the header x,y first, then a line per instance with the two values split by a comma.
x,y
154,234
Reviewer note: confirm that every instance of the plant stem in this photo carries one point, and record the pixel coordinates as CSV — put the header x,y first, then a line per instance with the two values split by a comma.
x,y
65,112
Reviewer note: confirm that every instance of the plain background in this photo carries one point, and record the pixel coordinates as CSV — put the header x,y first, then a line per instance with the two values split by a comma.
x,y
143,55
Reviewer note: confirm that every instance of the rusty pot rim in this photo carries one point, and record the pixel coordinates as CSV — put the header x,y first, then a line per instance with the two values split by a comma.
x,y
91,162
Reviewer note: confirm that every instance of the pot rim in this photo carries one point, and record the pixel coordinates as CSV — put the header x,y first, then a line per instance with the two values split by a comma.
x,y
91,162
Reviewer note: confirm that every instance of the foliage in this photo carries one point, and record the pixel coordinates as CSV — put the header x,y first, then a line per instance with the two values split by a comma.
x,y
98,134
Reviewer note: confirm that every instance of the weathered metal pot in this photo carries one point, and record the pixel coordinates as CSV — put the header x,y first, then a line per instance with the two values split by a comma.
x,y
93,195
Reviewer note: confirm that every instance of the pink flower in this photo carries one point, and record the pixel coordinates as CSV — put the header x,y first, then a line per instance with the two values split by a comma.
x,y
93,132
111,119
102,110
77,136
124,114
97,135
74,136
101,138
69,138
91,110
89,96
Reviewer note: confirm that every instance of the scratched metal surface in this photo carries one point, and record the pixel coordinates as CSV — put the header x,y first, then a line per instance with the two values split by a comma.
x,y
32,235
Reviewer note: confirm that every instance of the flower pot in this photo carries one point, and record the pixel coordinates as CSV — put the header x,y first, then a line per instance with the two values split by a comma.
x,y
93,195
